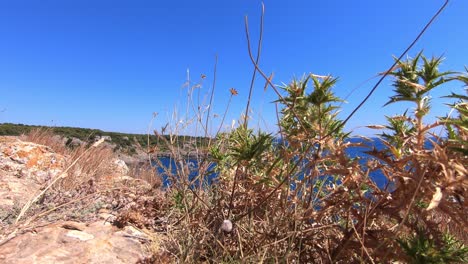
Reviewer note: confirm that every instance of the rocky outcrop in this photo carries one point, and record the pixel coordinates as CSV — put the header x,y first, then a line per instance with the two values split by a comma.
x,y
25,170
119,167
73,242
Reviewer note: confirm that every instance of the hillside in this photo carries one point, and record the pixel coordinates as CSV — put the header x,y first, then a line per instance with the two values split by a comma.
x,y
124,142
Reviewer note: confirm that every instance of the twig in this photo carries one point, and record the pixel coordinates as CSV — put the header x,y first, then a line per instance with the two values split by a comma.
x,y
211,97
362,242
267,79
148,136
389,70
224,115
259,50
405,216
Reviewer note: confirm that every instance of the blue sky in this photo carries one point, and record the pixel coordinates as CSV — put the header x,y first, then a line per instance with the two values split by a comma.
x,y
112,64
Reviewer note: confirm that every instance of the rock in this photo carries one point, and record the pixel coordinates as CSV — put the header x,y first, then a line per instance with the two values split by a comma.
x,y
135,233
18,154
73,142
96,243
130,181
83,236
137,159
106,138
107,217
119,167
24,168
70,225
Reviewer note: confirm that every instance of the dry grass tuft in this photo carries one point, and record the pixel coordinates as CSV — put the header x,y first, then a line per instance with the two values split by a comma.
x,y
145,172
46,137
84,163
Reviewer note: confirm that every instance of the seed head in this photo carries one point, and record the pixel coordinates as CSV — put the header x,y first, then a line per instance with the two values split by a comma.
x,y
226,226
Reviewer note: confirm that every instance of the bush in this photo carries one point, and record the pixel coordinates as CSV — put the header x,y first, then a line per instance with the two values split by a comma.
x,y
298,195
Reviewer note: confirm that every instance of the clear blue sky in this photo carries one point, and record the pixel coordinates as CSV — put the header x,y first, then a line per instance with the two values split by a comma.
x,y
110,64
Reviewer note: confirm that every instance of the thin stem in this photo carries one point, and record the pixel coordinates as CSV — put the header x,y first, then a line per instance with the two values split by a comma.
x,y
224,115
211,97
389,69
259,49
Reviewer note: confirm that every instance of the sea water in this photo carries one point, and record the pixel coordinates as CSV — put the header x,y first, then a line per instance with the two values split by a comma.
x,y
167,164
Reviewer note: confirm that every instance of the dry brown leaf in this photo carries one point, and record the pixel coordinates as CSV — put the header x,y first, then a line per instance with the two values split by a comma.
x,y
436,198
375,126
460,168
416,86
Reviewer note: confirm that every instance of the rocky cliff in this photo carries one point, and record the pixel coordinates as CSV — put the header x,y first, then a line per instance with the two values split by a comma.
x,y
55,210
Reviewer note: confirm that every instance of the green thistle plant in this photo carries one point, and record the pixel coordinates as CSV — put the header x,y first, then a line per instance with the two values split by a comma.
x,y
310,116
457,127
414,79
421,249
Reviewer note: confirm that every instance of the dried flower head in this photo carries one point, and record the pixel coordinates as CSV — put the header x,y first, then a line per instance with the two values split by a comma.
x,y
233,91
226,226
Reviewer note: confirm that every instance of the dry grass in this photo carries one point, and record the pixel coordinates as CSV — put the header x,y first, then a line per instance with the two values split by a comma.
x,y
344,217
145,172
304,199
94,163
46,137
300,199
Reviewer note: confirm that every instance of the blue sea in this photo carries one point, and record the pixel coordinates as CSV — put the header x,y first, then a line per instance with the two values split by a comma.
x,y
353,152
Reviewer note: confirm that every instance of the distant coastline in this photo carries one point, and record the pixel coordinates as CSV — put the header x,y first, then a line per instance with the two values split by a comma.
x,y
131,147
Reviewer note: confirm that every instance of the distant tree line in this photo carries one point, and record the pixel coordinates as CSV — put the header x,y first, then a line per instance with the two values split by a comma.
x,y
123,141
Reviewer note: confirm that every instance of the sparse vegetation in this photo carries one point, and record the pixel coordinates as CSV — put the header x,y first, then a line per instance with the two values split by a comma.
x,y
296,196
127,143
